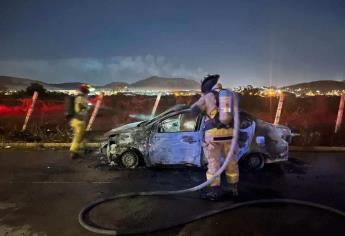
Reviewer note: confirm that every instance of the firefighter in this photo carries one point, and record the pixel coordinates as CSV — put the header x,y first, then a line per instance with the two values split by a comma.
x,y
217,140
78,121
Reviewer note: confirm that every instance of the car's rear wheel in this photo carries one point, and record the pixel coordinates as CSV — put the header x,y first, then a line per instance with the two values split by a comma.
x,y
253,162
130,160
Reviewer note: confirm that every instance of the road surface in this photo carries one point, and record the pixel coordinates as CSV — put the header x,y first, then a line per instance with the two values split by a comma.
x,y
41,193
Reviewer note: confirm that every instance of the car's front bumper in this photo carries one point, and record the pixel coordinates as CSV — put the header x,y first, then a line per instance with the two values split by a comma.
x,y
282,156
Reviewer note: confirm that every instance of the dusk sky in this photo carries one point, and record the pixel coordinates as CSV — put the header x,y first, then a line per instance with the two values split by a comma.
x,y
264,42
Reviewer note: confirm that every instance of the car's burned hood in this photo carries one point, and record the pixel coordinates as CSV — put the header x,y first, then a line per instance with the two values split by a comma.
x,y
275,132
128,136
125,128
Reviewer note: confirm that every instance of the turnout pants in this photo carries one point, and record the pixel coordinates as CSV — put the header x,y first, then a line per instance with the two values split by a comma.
x,y
213,152
78,127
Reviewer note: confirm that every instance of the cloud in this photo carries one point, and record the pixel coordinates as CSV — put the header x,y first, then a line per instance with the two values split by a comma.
x,y
98,71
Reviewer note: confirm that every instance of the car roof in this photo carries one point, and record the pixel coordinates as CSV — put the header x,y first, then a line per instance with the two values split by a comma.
x,y
177,107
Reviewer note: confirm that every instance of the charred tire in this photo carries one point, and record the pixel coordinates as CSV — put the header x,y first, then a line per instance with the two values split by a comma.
x,y
130,160
253,162
103,150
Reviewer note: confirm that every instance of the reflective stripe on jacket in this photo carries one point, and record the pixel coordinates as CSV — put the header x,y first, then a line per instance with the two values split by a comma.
x,y
219,135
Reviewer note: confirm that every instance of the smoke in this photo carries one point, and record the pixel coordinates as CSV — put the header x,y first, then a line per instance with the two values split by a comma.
x,y
98,71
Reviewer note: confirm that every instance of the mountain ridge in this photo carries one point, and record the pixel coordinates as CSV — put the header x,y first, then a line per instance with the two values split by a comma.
x,y
163,83
16,83
321,85
156,82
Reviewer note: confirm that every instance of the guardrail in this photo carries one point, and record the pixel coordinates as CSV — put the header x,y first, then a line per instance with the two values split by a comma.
x,y
44,145
97,145
316,149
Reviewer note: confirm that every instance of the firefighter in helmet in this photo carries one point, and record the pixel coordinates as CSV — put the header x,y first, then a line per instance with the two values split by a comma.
x,y
217,140
78,121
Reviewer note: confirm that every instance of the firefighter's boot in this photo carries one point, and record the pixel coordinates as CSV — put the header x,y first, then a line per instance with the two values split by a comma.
x,y
75,155
213,193
231,189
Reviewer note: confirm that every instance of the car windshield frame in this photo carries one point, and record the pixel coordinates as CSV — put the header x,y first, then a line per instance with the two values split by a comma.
x,y
180,113
176,108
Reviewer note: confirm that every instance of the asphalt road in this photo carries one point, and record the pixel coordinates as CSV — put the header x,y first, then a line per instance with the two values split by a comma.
x,y
41,193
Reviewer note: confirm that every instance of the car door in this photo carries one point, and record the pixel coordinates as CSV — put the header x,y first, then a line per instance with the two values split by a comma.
x,y
176,141
246,136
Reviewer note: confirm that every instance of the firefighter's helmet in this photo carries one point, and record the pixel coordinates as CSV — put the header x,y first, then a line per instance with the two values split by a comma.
x,y
209,82
84,88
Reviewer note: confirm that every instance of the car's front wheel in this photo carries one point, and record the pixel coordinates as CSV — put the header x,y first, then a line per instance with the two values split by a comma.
x,y
130,160
253,162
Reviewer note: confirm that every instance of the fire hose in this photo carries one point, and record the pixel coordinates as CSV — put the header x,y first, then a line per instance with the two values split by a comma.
x,y
99,230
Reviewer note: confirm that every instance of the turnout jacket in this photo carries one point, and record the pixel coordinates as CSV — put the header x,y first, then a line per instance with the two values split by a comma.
x,y
207,105
81,107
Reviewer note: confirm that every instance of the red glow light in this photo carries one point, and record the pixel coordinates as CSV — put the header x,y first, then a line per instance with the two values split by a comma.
x,y
41,106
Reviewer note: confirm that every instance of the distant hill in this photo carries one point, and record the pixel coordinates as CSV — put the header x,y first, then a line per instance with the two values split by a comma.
x,y
14,83
156,82
2,87
114,85
321,85
71,85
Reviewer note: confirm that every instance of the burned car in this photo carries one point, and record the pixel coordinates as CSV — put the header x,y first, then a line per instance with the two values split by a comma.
x,y
175,137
